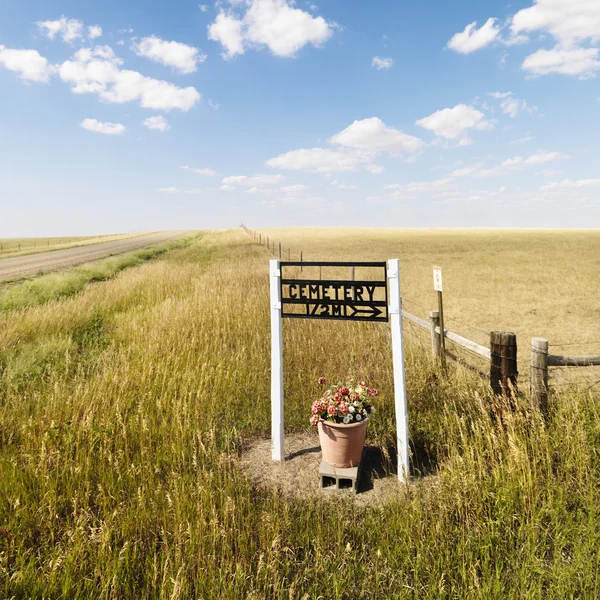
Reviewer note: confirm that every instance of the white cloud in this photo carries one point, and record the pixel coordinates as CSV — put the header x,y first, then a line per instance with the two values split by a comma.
x,y
100,127
98,71
276,24
292,189
254,180
568,21
510,105
453,123
68,29
29,64
522,140
316,160
582,62
178,190
159,123
94,31
375,169
373,135
208,172
471,38
382,63
228,188
468,170
568,184
181,57
227,29
421,187
203,7
519,163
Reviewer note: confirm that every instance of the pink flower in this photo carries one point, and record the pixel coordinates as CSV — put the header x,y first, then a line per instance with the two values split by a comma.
x,y
331,410
322,381
373,392
337,396
344,391
314,421
363,384
354,396
315,410
343,407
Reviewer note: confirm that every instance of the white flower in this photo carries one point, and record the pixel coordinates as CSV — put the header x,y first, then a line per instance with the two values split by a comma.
x,y
358,418
347,419
351,408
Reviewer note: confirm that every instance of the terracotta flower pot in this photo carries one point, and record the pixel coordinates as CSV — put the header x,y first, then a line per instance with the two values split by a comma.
x,y
342,444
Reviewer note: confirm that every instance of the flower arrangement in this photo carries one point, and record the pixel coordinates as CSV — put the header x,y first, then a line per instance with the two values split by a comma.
x,y
346,403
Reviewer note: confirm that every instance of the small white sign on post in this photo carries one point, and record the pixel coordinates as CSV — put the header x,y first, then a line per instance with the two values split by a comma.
x,y
437,279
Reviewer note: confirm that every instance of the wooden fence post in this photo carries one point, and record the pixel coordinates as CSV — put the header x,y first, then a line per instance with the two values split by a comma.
x,y
352,274
503,362
539,373
289,254
279,250
301,261
436,346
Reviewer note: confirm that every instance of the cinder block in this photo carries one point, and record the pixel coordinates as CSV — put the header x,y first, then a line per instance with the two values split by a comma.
x,y
334,478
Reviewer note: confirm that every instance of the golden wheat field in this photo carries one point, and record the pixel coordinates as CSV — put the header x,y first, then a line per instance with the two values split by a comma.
x,y
127,404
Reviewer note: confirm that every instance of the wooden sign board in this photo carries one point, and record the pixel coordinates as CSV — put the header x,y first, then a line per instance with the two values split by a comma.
x,y
437,279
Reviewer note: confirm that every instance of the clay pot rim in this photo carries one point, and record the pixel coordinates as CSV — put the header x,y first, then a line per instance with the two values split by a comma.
x,y
343,425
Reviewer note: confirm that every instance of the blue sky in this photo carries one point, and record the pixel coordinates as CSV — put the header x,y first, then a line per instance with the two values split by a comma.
x,y
129,116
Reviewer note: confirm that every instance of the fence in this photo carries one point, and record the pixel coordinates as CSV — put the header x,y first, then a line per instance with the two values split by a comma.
x,y
501,354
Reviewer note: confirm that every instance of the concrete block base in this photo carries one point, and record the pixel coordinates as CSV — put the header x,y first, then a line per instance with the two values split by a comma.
x,y
334,478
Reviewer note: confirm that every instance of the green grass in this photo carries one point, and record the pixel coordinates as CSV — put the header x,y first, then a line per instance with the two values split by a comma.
x,y
123,409
52,286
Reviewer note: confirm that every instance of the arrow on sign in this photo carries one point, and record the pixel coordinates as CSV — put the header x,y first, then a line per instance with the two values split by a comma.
x,y
363,311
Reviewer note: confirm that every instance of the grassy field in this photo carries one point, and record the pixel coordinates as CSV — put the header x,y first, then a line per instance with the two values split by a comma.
x,y
10,247
124,408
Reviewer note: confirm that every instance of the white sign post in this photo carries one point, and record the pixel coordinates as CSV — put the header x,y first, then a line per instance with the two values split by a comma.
x,y
395,308
276,363
395,313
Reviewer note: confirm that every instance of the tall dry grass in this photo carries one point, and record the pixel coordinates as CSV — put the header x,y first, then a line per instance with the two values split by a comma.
x,y
123,410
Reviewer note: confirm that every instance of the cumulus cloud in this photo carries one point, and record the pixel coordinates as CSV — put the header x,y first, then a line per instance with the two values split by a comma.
x,y
98,71
373,135
316,160
382,63
275,24
29,64
582,62
228,188
208,172
103,127
254,180
471,38
68,29
94,31
181,57
158,123
511,105
454,123
569,22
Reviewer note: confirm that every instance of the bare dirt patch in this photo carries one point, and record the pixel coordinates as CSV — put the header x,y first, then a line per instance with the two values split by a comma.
x,y
298,475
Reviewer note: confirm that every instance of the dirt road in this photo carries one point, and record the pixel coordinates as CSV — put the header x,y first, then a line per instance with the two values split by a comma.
x,y
11,268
